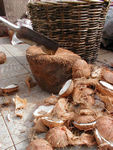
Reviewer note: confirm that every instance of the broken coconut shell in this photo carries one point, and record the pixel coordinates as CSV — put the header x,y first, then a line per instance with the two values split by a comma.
x,y
51,100
43,110
10,89
2,57
39,144
52,122
67,89
104,88
107,75
104,132
84,122
51,71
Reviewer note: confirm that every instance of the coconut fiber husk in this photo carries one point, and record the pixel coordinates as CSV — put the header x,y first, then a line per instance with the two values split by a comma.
x,y
51,71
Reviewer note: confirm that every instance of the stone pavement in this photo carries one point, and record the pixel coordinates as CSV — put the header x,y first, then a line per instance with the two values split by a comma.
x,y
14,133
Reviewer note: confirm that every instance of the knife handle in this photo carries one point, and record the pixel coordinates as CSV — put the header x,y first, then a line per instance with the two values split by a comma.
x,y
30,36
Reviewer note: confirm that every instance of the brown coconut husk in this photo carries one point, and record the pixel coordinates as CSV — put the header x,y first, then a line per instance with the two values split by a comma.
x,y
104,132
2,57
84,122
107,75
80,69
39,127
51,71
51,100
39,144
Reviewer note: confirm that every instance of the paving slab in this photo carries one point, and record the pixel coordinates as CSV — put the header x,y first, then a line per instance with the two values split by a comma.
x,y
11,148
5,139
4,40
22,146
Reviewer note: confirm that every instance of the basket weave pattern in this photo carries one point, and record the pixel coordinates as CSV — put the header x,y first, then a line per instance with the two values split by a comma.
x,y
76,26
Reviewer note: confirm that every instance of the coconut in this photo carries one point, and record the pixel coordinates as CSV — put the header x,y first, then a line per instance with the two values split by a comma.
x,y
66,89
39,127
10,89
105,88
84,122
52,100
107,75
104,132
52,122
39,144
51,71
2,57
43,110
80,69
57,137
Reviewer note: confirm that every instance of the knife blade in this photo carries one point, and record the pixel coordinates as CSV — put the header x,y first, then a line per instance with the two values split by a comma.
x,y
32,37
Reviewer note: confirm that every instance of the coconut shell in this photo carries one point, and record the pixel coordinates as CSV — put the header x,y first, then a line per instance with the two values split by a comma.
x,y
2,57
104,132
80,69
107,75
39,126
84,122
57,137
67,89
51,71
10,89
39,144
52,122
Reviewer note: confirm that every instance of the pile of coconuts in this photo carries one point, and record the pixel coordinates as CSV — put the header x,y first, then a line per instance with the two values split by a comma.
x,y
81,113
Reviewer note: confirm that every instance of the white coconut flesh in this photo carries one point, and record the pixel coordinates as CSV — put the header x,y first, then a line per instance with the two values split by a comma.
x,y
65,87
52,120
10,86
107,85
85,124
102,139
96,73
42,110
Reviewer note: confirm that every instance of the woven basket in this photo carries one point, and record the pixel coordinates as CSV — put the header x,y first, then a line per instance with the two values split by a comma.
x,y
76,26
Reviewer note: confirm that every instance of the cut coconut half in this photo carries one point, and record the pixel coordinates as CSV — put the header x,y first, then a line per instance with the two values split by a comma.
x,y
66,89
101,140
107,85
10,88
52,122
85,126
43,110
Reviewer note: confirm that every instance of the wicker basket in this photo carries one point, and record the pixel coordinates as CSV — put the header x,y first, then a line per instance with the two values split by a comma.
x,y
76,26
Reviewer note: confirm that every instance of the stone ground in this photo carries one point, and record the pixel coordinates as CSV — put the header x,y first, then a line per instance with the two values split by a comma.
x,y
14,134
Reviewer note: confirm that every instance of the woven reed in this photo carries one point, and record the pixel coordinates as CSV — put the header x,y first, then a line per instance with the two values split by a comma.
x,y
76,26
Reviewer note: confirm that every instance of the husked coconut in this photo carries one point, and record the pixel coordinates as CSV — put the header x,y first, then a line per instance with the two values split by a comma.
x,y
51,71
52,122
39,144
2,57
104,132
107,75
84,122
51,100
10,89
43,110
57,137
67,89
39,127
80,69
